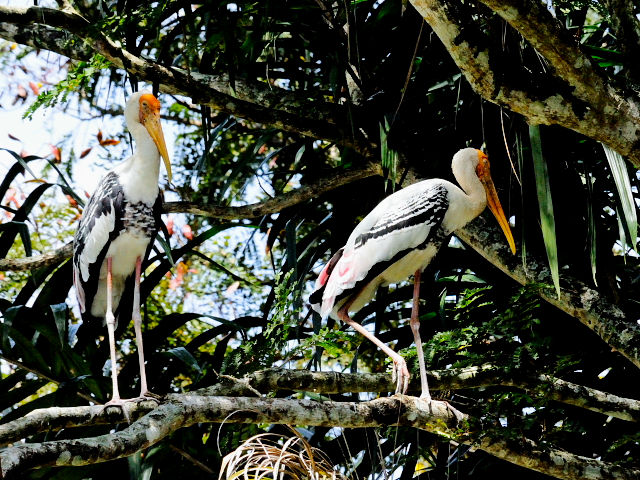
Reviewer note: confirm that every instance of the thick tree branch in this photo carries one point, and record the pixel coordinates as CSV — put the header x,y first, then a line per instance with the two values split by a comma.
x,y
577,299
553,41
274,380
555,462
555,389
187,410
579,99
53,17
37,261
184,410
258,102
46,38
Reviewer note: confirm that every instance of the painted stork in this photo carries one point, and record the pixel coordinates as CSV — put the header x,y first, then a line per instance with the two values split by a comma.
x,y
117,229
399,238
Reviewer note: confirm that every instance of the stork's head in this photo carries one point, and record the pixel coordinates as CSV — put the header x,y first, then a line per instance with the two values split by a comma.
x,y
144,108
476,161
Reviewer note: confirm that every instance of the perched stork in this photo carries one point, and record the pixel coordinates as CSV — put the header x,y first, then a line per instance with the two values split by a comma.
x,y
399,238
118,227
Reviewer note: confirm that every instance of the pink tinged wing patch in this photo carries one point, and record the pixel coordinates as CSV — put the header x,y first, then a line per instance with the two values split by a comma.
x,y
323,277
344,269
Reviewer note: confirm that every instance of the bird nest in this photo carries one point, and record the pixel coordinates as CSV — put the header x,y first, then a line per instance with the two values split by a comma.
x,y
274,456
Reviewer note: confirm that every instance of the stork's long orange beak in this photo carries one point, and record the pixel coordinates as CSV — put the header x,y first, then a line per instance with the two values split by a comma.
x,y
482,170
150,118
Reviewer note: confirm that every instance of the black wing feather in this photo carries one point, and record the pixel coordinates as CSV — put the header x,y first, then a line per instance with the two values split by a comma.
x,y
429,207
108,195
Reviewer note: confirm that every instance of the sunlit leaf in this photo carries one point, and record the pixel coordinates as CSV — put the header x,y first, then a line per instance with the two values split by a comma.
x,y
389,157
300,152
547,219
625,195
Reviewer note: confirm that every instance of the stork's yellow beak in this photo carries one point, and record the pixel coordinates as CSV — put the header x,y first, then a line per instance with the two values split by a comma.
x,y
482,170
150,118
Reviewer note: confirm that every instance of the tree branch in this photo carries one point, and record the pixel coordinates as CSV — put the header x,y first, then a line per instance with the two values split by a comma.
x,y
255,210
185,410
579,301
280,202
37,261
258,102
579,98
553,388
275,380
555,462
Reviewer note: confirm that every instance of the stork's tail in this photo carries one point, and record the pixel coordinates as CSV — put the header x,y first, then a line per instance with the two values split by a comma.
x,y
320,304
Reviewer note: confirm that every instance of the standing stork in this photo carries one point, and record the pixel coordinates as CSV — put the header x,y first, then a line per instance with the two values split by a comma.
x,y
117,229
399,238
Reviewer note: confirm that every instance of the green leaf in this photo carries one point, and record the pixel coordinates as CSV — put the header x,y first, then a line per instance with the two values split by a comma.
x,y
625,195
164,242
23,161
7,238
547,219
523,223
23,230
60,316
389,157
220,267
591,226
300,152
184,356
16,169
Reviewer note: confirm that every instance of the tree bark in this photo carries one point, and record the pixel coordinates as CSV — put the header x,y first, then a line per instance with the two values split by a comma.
x,y
581,98
55,30
187,409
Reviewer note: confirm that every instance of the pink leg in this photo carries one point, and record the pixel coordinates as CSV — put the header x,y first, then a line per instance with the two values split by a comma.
x,y
415,328
111,325
137,323
400,370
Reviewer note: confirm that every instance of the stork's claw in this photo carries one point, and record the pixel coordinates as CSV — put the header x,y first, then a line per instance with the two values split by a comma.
x,y
122,404
400,374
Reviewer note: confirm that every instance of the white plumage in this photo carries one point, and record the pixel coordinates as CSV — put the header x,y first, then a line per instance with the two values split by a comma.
x,y
398,238
118,225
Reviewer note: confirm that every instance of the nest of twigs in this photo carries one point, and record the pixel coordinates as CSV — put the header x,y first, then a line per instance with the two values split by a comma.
x,y
272,456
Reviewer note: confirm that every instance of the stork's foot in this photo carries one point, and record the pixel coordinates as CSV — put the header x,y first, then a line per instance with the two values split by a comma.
x,y
124,404
400,374
127,405
425,396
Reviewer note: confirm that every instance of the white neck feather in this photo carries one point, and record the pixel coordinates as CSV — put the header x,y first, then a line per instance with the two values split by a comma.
x,y
139,173
464,170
